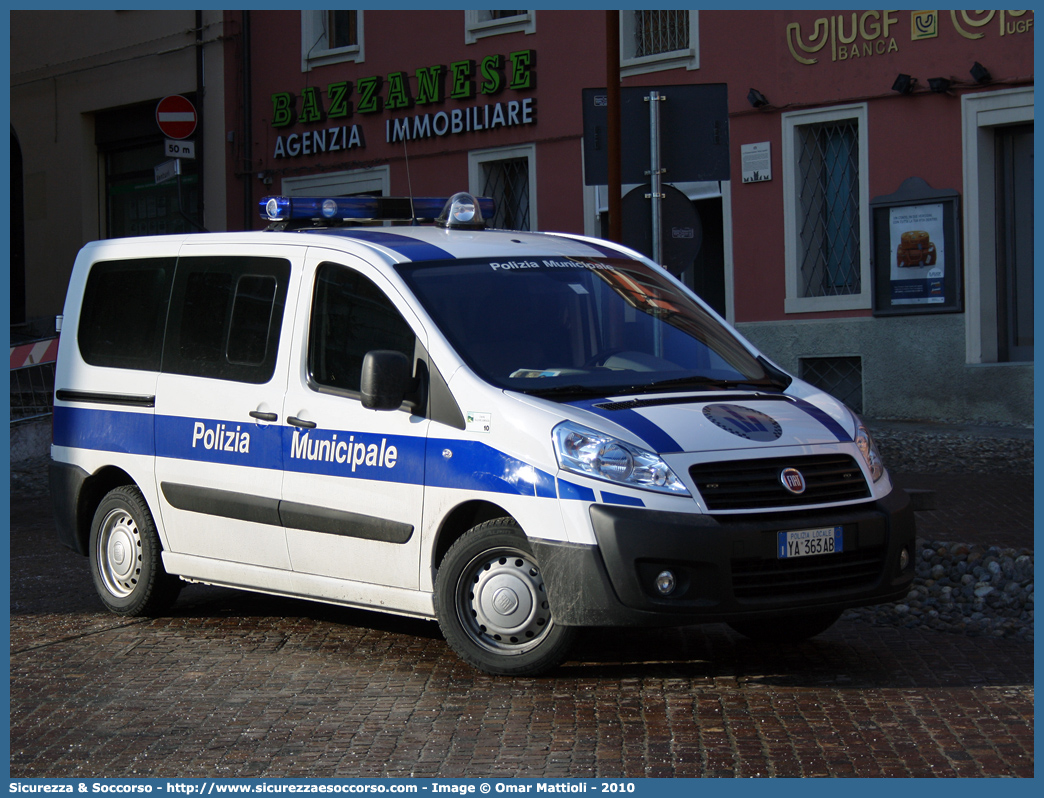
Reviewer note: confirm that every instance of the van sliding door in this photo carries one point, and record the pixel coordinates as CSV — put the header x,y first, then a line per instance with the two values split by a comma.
x,y
220,395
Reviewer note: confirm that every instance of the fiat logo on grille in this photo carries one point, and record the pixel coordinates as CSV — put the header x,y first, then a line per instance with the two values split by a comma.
x,y
792,480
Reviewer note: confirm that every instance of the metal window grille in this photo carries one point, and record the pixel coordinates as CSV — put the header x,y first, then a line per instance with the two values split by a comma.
x,y
842,377
507,182
828,186
658,32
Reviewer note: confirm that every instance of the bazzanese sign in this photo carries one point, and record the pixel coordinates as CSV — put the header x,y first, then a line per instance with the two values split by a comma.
x,y
399,92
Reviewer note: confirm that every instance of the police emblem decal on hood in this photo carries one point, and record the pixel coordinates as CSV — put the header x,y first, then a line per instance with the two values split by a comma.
x,y
744,422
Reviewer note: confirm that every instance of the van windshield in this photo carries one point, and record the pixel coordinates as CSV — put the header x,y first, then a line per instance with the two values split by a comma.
x,y
567,327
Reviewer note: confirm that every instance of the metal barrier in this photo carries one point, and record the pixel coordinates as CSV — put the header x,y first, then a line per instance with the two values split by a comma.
x,y
32,379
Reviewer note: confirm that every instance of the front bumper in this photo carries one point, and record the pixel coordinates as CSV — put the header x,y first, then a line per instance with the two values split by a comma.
x,y
726,567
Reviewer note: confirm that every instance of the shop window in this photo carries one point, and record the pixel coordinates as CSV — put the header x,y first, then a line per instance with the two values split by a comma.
x,y
826,210
374,182
130,147
507,177
331,37
656,40
828,176
479,24
841,377
138,206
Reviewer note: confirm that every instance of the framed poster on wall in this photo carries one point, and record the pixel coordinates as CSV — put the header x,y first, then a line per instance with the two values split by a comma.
x,y
916,251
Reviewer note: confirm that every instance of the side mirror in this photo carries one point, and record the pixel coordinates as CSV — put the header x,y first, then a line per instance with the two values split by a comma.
x,y
385,379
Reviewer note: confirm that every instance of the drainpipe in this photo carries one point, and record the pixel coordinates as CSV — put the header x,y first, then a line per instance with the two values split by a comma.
x,y
248,133
612,83
201,99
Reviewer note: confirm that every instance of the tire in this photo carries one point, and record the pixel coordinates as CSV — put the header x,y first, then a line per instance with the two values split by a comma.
x,y
125,557
788,629
491,604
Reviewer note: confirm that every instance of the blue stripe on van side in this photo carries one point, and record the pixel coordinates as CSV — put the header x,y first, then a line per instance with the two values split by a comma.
x,y
569,491
354,455
405,459
618,498
213,441
545,485
473,465
405,245
103,430
653,435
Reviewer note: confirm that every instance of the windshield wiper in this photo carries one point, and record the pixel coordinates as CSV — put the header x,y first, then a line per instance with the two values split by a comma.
x,y
563,391
697,382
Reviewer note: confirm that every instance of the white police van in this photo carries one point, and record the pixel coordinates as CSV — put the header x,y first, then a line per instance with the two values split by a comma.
x,y
517,434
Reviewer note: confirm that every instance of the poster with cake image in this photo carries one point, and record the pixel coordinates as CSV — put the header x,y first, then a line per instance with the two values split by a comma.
x,y
918,255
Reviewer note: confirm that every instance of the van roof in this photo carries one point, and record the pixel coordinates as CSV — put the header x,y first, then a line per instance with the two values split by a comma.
x,y
459,229
435,244
395,244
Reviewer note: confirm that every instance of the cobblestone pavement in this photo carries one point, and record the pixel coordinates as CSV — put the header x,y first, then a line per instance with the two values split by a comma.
x,y
239,685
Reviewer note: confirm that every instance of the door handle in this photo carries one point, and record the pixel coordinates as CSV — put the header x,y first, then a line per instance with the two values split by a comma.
x,y
262,416
300,422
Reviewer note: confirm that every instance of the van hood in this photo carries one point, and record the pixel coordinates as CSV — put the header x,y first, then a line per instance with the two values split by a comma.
x,y
707,422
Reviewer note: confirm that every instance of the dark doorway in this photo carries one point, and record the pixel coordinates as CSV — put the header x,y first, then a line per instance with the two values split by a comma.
x,y
1015,243
17,234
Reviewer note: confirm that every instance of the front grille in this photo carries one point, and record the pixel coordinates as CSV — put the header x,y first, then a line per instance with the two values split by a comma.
x,y
756,484
759,579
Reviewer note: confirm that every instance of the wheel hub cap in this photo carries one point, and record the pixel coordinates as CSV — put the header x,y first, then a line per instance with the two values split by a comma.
x,y
506,603
118,553
119,557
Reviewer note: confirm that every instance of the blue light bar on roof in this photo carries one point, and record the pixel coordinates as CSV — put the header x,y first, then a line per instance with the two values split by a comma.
x,y
359,209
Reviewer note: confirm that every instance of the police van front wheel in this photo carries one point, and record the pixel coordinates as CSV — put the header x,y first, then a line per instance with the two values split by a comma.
x,y
125,556
491,603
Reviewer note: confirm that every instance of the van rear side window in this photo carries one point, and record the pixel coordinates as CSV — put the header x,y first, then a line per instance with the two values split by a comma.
x,y
123,310
225,318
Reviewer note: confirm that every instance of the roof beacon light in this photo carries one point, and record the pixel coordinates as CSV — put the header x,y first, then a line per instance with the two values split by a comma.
x,y
462,210
298,212
276,209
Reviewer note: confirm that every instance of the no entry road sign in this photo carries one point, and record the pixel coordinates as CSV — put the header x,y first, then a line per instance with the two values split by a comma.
x,y
176,117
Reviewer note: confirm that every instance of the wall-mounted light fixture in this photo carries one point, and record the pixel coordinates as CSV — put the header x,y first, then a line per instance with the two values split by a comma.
x,y
904,84
939,85
980,74
756,98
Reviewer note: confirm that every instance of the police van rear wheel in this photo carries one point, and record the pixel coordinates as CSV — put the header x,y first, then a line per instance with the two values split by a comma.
x,y
125,556
790,629
491,604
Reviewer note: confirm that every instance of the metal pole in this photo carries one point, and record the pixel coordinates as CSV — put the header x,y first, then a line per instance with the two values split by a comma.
x,y
201,102
247,158
656,174
612,84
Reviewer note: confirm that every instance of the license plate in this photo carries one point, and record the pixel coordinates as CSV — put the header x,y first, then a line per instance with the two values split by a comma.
x,y
808,542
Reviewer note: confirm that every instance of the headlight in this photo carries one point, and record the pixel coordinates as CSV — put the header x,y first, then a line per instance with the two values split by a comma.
x,y
869,449
595,454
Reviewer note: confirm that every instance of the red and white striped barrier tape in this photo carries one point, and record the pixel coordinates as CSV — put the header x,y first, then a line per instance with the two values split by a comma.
x,y
35,353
